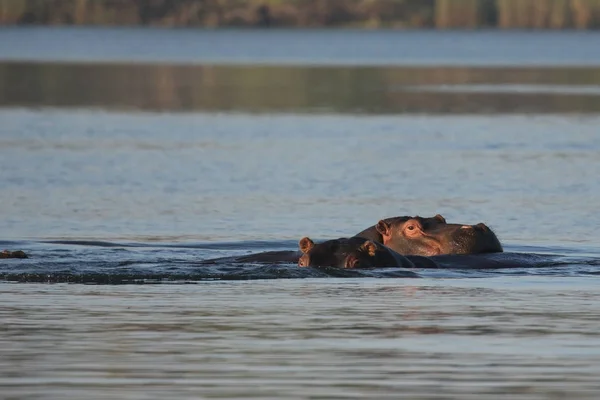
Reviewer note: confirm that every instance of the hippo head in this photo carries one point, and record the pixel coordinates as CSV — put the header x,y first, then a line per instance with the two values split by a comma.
x,y
354,252
433,236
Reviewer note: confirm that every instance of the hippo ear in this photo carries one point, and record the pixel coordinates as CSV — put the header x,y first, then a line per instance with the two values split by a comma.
x,y
383,228
369,247
440,218
351,262
306,244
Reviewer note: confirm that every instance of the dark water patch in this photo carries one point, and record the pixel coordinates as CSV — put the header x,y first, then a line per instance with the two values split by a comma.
x,y
94,243
300,89
496,260
131,272
247,245
554,249
557,270
13,243
108,263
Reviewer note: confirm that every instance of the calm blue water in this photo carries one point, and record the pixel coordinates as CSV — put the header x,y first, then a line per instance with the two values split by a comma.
x,y
301,47
138,185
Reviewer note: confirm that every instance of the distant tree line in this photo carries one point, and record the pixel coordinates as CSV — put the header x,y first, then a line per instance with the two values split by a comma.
x,y
523,14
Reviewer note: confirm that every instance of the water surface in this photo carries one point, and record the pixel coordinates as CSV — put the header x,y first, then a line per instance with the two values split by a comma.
x,y
301,46
532,338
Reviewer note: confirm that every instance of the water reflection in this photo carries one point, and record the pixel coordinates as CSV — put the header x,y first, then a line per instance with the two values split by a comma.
x,y
300,89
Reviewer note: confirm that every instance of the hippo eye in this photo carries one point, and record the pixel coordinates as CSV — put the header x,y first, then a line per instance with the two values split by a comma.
x,y
412,227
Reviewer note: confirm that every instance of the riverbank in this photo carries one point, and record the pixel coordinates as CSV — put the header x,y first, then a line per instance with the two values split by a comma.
x,y
439,14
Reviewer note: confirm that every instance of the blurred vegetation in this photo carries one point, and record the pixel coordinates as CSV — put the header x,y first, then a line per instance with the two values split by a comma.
x,y
530,14
379,90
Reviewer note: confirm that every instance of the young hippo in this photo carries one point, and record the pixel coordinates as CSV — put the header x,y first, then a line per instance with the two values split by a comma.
x,y
13,254
433,236
354,252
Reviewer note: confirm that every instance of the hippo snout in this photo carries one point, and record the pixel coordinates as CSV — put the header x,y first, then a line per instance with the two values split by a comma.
x,y
482,227
304,261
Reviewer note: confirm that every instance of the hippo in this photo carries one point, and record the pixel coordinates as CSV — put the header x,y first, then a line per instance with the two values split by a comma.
x,y
354,252
13,254
360,253
405,235
433,236
374,232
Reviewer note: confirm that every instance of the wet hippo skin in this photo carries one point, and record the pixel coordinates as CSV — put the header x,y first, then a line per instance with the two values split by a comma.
x,y
433,236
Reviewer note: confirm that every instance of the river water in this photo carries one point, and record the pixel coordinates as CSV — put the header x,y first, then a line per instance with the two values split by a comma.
x,y
121,169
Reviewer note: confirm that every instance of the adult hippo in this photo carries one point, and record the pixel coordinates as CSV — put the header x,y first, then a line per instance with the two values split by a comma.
x,y
432,236
13,254
357,252
406,235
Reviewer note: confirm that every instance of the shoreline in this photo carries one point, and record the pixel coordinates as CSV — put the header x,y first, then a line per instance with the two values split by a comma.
x,y
356,14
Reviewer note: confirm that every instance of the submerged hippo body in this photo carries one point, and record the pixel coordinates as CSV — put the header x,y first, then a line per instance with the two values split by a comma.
x,y
13,254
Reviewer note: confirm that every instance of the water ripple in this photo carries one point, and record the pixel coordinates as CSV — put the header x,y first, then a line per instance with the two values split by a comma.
x,y
102,262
